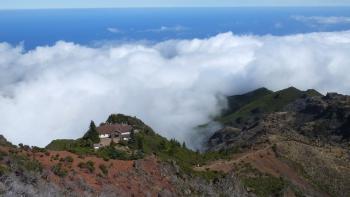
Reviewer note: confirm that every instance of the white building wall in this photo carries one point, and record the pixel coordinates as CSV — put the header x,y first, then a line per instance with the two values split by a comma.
x,y
104,135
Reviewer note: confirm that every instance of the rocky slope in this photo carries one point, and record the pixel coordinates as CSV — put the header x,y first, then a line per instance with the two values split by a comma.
x,y
303,140
72,168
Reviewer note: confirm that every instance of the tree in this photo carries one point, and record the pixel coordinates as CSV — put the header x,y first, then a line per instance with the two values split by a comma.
x,y
140,143
184,145
132,139
92,134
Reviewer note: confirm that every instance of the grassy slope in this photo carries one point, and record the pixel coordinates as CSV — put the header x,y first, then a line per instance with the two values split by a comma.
x,y
271,102
237,101
60,144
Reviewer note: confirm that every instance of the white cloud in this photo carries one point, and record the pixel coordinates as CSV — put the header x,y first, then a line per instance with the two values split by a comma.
x,y
54,91
113,30
322,20
177,28
278,25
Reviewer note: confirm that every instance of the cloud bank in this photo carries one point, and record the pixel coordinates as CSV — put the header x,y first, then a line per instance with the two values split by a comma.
x,y
54,91
322,20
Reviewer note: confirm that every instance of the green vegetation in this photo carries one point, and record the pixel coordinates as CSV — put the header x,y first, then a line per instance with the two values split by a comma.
x,y
165,149
103,169
92,135
261,184
265,185
68,159
2,155
3,169
58,170
63,144
274,148
172,150
143,142
79,146
89,165
26,164
110,152
209,175
36,149
4,142
237,101
82,146
23,163
133,121
262,103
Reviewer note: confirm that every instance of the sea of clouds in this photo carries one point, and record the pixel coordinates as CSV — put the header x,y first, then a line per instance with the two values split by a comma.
x,y
54,91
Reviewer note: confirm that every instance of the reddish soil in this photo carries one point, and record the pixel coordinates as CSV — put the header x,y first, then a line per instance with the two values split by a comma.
x,y
127,178
264,160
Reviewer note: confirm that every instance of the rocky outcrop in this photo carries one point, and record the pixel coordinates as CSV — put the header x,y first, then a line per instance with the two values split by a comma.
x,y
319,118
228,185
311,135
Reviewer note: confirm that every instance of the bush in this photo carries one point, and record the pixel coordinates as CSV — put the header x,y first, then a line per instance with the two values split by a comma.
x,y
103,169
58,170
265,185
23,163
36,149
274,148
68,159
55,157
89,165
2,155
110,152
3,169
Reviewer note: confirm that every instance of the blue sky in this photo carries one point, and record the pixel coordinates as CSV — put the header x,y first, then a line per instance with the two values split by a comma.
x,y
36,4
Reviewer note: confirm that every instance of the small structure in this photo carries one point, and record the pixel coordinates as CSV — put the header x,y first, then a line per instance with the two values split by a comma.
x,y
112,132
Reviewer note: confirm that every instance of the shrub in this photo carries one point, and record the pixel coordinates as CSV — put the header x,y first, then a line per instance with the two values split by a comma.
x,y
3,169
2,155
89,165
26,148
23,163
103,169
55,157
265,185
58,170
20,145
274,148
110,152
137,155
210,175
36,149
68,159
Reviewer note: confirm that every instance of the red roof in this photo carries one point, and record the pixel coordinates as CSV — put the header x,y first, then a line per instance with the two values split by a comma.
x,y
113,128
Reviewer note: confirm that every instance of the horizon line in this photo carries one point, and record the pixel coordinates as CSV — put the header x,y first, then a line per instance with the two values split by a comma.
x,y
193,7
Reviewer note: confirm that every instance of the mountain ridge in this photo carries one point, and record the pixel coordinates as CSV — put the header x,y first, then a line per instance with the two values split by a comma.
x,y
287,143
